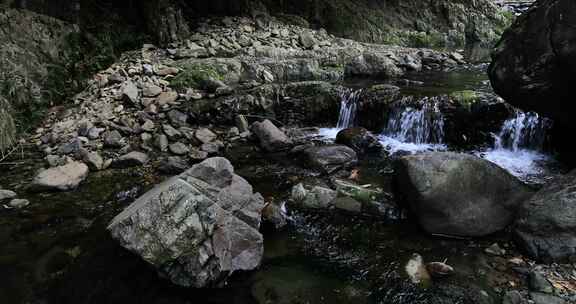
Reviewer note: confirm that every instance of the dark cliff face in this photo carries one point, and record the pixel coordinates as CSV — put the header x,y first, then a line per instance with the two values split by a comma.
x,y
408,22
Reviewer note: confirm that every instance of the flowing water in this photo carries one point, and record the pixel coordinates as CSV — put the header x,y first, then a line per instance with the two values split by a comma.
x,y
519,147
415,127
416,124
347,117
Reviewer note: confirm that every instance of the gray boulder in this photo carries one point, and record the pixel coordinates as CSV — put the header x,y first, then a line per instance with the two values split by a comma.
x,y
114,139
458,194
173,165
7,194
131,159
130,93
196,228
546,224
330,158
62,178
271,138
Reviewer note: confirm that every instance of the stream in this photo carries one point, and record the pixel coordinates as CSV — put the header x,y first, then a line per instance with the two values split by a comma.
x,y
58,251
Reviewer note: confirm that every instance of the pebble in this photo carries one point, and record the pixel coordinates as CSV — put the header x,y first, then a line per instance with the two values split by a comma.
x,y
19,203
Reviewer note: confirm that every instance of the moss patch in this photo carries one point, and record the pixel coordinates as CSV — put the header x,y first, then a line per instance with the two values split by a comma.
x,y
194,75
464,98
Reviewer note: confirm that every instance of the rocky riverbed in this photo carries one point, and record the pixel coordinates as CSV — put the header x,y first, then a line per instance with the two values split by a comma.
x,y
265,207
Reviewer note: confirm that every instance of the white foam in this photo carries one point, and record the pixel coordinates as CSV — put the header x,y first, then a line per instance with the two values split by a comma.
x,y
522,163
329,133
393,145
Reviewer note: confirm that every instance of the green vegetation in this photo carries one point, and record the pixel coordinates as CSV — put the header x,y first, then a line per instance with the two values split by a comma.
x,y
194,75
465,98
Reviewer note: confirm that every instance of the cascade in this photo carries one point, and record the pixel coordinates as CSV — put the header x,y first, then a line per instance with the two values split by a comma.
x,y
424,125
414,126
519,146
523,131
348,107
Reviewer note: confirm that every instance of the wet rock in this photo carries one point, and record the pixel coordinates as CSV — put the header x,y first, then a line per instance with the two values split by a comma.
x,y
178,118
541,298
94,133
242,123
173,165
7,194
179,148
212,147
94,161
373,64
271,138
161,142
62,178
348,204
298,193
130,93
330,158
171,132
204,135
495,249
132,159
359,139
19,203
72,147
55,160
166,98
167,71
307,40
196,228
458,194
546,227
148,126
197,155
151,90
513,297
439,269
319,198
538,283
113,139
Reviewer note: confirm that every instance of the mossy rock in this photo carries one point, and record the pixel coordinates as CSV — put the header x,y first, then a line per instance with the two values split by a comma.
x,y
195,75
465,98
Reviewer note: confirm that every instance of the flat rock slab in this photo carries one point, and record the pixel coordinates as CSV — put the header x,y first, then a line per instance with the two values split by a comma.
x,y
62,178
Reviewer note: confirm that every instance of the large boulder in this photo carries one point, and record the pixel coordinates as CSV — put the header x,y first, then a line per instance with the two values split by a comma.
x,y
271,138
546,224
458,194
62,178
195,228
330,158
533,62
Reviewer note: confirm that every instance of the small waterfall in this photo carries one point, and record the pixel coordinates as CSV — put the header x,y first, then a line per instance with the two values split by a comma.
x,y
524,131
519,146
415,126
348,107
420,126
